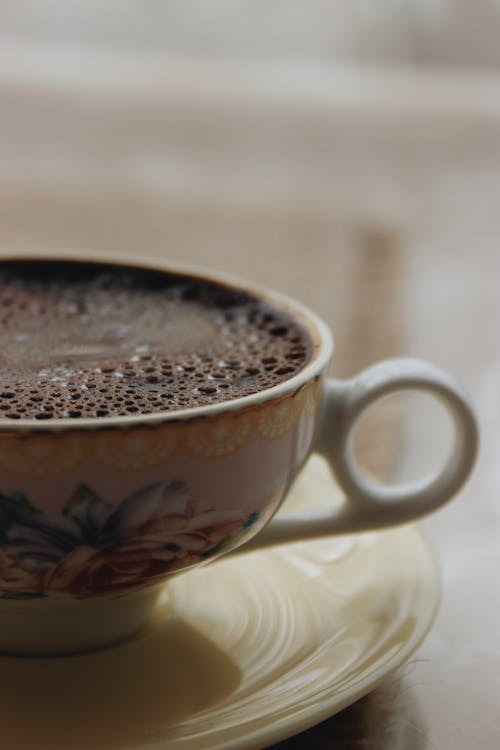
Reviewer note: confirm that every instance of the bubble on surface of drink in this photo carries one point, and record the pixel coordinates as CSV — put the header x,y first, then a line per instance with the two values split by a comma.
x,y
92,340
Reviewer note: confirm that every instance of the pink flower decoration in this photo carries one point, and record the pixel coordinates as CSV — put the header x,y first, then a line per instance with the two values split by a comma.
x,y
94,548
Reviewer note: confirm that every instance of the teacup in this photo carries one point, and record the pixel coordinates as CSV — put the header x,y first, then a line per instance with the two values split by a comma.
x,y
97,514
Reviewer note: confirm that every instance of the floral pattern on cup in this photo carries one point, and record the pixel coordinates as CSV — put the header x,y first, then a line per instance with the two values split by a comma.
x,y
219,437
40,456
134,450
93,548
311,397
278,419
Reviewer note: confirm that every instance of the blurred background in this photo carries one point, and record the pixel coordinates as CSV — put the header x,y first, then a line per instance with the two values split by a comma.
x,y
344,151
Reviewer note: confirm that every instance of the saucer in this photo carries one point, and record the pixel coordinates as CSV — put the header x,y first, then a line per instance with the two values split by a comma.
x,y
241,654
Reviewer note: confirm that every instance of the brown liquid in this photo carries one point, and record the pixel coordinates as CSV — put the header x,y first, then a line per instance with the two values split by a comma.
x,y
94,340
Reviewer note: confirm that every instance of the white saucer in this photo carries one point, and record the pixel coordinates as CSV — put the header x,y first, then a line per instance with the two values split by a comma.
x,y
242,654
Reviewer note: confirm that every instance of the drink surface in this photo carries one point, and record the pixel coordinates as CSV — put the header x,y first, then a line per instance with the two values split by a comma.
x,y
81,340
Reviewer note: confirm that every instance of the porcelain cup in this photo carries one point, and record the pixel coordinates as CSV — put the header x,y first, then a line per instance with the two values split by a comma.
x,y
97,514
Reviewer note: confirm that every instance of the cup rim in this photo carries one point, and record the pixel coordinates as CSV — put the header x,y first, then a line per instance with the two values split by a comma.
x,y
321,337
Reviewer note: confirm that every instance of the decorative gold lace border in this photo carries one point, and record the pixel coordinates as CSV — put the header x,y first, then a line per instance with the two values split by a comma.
x,y
135,449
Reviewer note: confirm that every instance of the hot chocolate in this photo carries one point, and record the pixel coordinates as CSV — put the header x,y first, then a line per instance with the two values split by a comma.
x,y
82,340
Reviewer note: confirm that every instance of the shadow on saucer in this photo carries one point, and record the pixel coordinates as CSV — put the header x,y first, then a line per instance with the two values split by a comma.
x,y
122,695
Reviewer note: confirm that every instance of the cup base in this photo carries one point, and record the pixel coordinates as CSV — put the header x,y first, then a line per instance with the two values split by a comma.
x,y
55,627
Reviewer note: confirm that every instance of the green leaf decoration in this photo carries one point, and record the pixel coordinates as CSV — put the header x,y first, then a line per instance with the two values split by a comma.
x,y
221,545
228,541
251,519
81,499
20,595
14,507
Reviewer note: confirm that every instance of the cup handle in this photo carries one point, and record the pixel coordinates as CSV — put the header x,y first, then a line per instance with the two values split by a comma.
x,y
369,505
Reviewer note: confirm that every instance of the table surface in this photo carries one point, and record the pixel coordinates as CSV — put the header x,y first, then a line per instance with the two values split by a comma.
x,y
390,231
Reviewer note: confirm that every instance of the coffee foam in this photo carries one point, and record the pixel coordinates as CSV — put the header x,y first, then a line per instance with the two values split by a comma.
x,y
91,340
